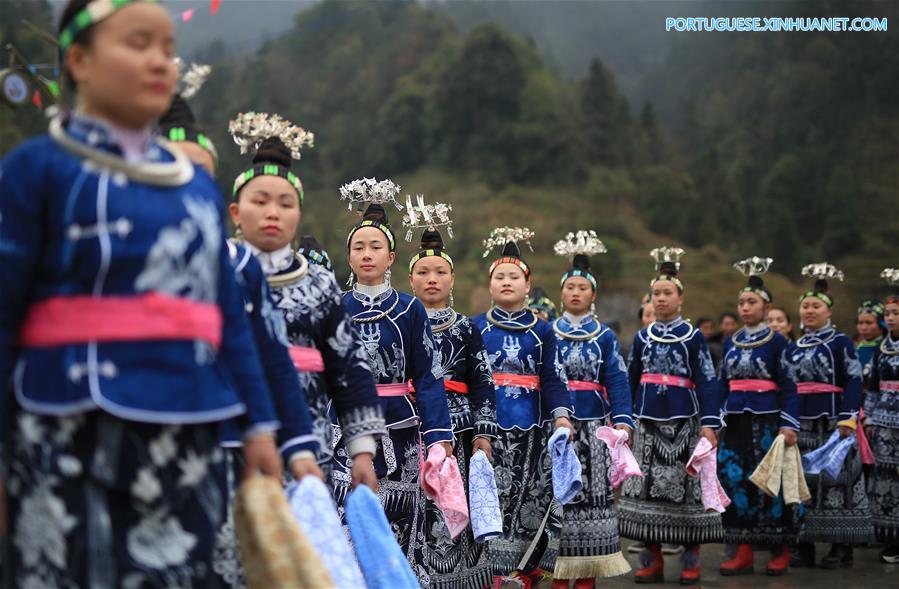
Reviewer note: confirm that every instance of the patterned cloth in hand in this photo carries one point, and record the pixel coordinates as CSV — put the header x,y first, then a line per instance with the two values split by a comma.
x,y
830,456
704,463
442,483
314,508
624,465
782,467
566,467
483,499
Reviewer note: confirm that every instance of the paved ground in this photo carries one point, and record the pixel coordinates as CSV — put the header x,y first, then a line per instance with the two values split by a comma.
x,y
868,573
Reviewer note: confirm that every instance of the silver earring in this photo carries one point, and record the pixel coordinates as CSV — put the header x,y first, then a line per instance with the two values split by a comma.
x,y
351,280
238,233
387,277
593,308
451,301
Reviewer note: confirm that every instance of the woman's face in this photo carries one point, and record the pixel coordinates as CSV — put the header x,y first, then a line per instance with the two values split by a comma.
x,y
666,300
751,308
814,313
509,287
267,212
648,314
891,316
127,75
867,326
370,256
432,280
577,295
778,321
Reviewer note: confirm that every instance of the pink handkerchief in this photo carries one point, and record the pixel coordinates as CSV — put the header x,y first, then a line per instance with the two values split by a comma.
x,y
624,465
704,462
442,483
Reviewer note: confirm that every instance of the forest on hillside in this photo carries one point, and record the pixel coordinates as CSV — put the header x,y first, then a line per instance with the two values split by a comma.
x,y
778,144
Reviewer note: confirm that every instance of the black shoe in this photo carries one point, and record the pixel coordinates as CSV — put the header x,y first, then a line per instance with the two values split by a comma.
x,y
839,557
890,554
802,556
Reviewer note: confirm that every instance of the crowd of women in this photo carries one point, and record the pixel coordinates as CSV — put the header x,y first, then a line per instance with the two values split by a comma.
x,y
152,364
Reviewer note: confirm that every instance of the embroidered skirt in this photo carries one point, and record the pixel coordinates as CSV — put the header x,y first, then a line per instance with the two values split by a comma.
x,y
523,471
589,545
96,501
461,563
226,559
883,490
753,517
839,510
665,506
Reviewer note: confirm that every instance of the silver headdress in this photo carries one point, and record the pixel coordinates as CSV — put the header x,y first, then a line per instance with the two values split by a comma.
x,y
192,77
667,254
250,129
503,235
367,191
425,216
583,242
891,275
754,266
822,271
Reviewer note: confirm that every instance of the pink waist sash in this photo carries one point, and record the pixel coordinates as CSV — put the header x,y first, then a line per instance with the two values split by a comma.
x,y
399,389
586,385
307,359
667,379
889,385
67,320
753,385
814,388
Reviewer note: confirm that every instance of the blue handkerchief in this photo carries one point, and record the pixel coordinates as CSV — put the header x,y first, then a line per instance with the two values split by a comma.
x,y
483,500
566,467
829,457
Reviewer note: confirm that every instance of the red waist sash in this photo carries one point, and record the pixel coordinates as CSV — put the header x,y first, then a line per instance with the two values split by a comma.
x,y
307,359
753,385
667,379
889,385
586,385
399,389
525,381
813,388
67,320
453,386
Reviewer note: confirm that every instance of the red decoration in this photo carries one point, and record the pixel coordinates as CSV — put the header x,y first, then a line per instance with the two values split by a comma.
x,y
36,99
214,6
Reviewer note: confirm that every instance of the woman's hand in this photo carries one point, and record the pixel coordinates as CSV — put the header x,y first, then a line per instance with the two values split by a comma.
x,y
302,467
261,455
566,423
709,434
845,431
483,444
364,471
790,437
630,433
447,447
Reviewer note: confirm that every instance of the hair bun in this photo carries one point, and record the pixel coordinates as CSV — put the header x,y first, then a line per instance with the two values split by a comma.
x,y
668,269
511,250
179,115
756,282
581,262
821,285
431,239
273,151
376,212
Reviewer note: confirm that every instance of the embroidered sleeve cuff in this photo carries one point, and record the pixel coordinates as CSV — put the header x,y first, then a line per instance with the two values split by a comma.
x,y
366,420
789,421
561,412
362,445
298,445
301,455
258,429
623,419
435,436
713,422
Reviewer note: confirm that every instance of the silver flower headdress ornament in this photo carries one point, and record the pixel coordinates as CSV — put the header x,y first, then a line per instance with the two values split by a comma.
x,y
367,191
583,242
667,254
822,271
250,129
192,77
426,216
891,275
754,266
500,236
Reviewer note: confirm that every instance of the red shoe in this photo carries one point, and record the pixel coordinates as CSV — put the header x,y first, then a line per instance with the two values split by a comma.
x,y
691,567
653,566
560,583
585,583
741,562
779,563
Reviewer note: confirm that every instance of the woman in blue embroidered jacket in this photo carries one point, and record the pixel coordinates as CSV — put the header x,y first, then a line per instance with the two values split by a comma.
x,y
828,378
121,315
675,402
398,343
870,326
760,403
531,400
882,425
327,352
461,563
589,545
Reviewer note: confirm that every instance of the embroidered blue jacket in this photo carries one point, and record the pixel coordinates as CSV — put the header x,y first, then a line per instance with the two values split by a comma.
x,y
517,345
462,358
270,336
598,360
400,347
312,306
866,351
882,404
826,356
678,349
759,356
70,225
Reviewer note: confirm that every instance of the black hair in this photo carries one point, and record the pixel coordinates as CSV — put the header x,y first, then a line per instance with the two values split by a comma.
x,y
273,151
668,269
431,240
581,262
702,320
728,314
511,250
375,212
84,37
